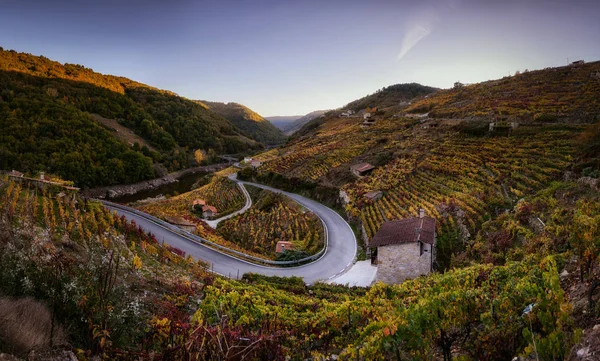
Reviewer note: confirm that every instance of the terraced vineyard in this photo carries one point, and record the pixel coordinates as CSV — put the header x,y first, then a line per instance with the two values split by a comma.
x,y
315,161
273,218
568,92
461,180
221,193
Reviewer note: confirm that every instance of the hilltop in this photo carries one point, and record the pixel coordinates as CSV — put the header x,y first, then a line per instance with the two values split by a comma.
x,y
391,96
250,122
68,119
560,94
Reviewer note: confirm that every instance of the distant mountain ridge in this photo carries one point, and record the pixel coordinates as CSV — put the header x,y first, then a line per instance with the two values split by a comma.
x,y
292,123
283,121
299,123
250,122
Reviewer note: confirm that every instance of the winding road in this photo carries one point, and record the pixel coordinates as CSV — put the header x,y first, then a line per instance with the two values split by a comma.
x,y
246,206
338,257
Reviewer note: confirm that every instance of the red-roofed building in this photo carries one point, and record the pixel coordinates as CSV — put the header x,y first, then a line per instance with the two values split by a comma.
x,y
208,211
283,246
197,204
404,249
361,169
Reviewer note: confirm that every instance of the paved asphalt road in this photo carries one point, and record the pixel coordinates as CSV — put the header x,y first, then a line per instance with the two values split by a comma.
x,y
215,222
339,256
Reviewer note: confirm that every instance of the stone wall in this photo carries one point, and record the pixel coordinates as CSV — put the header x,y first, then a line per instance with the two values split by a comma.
x,y
398,263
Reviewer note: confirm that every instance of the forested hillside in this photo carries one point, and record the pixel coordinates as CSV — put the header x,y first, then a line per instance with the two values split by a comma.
x,y
46,113
252,123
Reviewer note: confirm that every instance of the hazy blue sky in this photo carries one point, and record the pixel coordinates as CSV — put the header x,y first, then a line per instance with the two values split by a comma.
x,y
282,57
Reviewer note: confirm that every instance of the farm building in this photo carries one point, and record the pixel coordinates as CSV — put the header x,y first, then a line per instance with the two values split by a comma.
x,y
373,196
361,169
404,249
208,211
283,246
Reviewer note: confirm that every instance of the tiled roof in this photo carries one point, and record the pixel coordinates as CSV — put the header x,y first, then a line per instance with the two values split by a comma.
x,y
404,231
362,167
209,208
373,194
199,201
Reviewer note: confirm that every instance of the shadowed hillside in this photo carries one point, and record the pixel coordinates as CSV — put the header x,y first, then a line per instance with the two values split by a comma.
x,y
250,122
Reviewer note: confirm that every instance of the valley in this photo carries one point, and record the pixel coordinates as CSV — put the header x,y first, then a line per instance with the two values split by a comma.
x,y
494,189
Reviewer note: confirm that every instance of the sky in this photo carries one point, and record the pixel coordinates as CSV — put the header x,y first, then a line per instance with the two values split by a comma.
x,y
288,57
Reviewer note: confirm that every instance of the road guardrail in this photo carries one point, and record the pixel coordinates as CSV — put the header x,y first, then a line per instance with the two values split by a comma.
x,y
217,247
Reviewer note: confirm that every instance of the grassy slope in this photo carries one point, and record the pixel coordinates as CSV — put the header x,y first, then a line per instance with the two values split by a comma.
x,y
252,123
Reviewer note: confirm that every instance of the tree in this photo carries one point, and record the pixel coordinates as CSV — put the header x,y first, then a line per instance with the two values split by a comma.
x,y
199,155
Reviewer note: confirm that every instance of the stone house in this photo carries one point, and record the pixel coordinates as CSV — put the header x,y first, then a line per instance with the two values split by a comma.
x,y
283,246
208,211
255,164
361,169
404,249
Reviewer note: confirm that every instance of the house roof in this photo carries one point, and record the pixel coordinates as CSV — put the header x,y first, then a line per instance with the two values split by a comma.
x,y
209,208
404,231
362,167
373,194
283,245
199,201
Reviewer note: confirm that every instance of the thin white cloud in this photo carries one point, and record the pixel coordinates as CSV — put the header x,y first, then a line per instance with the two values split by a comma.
x,y
423,23
413,35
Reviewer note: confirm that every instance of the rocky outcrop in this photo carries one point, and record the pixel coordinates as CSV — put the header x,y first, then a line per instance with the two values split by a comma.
x,y
588,349
593,183
27,325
